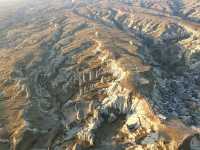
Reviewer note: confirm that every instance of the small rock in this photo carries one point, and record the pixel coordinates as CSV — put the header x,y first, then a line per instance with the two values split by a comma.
x,y
162,117
72,133
96,34
1,94
151,138
4,135
76,147
112,118
7,82
131,42
133,127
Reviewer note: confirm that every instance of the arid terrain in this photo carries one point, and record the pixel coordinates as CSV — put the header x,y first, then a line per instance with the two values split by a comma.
x,y
100,75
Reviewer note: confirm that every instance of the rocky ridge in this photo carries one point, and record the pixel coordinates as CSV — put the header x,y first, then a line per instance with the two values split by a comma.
x,y
85,75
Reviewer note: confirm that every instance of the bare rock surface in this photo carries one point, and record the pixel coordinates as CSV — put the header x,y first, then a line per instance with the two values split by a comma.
x,y
100,75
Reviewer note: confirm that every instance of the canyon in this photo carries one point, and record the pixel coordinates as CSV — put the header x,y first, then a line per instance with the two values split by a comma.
x,y
100,75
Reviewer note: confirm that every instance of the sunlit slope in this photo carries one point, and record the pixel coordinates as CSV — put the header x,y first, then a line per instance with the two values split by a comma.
x,y
98,75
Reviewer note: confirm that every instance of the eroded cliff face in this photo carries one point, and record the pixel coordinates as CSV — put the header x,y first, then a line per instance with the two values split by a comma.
x,y
99,75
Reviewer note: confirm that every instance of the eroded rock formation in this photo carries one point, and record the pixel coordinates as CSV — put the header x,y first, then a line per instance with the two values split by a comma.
x,y
90,74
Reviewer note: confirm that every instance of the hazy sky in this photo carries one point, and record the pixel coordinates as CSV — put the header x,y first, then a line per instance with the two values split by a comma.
x,y
9,1
7,6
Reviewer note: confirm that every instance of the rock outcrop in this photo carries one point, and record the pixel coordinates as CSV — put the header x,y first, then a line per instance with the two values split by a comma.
x,y
90,74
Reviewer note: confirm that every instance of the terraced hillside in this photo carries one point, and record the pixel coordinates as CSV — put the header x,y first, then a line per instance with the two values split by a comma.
x,y
100,75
